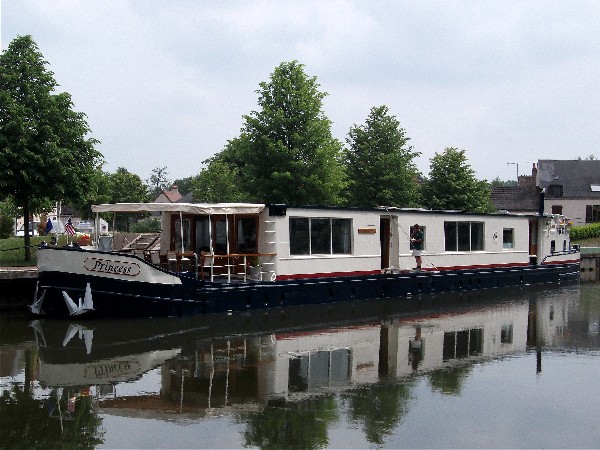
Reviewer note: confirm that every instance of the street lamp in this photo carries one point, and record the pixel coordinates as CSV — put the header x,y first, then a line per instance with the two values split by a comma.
x,y
517,164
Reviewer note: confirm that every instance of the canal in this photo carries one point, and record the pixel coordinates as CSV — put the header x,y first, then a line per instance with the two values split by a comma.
x,y
512,368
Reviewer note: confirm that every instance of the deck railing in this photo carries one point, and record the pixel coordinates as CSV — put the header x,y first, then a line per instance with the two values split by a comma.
x,y
212,267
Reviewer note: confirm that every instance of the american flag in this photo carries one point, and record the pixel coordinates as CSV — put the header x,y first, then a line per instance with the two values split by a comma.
x,y
69,227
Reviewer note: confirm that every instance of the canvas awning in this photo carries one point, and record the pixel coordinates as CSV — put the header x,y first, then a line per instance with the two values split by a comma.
x,y
184,208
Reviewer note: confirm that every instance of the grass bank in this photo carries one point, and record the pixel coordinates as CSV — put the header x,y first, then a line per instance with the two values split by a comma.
x,y
12,250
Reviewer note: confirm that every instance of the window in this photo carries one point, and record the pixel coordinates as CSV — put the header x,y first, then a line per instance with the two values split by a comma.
x,y
556,209
462,344
320,236
592,213
555,190
246,235
463,236
187,239
508,238
506,334
320,369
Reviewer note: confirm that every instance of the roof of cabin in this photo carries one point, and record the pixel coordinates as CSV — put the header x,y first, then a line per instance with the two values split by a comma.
x,y
189,208
575,176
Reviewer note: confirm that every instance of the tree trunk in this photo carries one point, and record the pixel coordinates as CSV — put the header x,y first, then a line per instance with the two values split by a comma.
x,y
26,225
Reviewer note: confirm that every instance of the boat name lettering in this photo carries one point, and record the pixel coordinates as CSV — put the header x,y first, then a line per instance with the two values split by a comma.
x,y
111,369
112,267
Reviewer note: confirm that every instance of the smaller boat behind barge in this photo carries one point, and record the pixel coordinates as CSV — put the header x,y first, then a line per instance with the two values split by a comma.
x,y
240,256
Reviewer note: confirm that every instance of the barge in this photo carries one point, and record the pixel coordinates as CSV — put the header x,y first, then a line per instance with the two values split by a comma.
x,y
226,257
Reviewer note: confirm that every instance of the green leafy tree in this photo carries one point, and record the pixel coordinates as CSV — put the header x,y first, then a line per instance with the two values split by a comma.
x,y
497,182
449,381
379,408
32,423
185,185
218,182
7,222
286,153
452,184
379,163
302,424
45,153
126,187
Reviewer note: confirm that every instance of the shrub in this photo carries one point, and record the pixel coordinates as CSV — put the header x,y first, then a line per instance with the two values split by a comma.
x,y
6,226
149,225
585,232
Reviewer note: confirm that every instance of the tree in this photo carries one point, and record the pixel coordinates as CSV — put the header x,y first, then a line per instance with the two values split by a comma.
x,y
286,153
158,181
218,182
379,163
497,182
126,187
452,184
45,153
185,185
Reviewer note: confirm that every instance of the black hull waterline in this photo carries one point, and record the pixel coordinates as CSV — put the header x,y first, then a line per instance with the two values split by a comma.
x,y
114,298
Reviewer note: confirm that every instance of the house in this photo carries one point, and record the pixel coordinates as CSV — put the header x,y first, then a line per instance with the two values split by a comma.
x,y
521,199
572,188
171,195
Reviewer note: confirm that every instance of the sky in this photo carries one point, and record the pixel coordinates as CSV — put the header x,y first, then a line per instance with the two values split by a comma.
x,y
167,83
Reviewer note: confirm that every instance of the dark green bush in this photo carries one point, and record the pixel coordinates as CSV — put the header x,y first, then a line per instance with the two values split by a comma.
x,y
6,226
585,231
149,225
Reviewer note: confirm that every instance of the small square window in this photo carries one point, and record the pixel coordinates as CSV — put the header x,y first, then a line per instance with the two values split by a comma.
x,y
508,238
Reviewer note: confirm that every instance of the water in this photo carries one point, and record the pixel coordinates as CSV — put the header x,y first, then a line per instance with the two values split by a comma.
x,y
515,368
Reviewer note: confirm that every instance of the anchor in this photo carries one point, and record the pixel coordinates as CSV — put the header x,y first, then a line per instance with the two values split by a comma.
x,y
86,334
36,306
77,309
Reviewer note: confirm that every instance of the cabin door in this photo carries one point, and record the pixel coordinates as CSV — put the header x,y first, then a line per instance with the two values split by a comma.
x,y
384,237
533,237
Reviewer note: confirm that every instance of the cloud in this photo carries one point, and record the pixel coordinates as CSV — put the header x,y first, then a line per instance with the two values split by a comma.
x,y
167,83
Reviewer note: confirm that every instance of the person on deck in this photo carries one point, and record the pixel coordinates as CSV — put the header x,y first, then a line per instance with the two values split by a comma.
x,y
416,239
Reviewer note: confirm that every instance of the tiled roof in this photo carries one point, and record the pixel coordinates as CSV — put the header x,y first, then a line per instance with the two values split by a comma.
x,y
516,198
575,177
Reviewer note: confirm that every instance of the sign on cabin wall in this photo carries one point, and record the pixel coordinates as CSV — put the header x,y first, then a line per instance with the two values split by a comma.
x,y
367,230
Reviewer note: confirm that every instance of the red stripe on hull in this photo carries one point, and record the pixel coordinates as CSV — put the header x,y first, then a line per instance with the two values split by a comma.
x,y
299,276
570,261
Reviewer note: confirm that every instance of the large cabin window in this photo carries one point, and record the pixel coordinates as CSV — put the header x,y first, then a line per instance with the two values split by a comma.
x,y
463,236
246,235
219,233
320,236
187,238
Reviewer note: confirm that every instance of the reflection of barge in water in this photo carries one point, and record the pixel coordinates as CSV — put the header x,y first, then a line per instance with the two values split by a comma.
x,y
238,257
235,362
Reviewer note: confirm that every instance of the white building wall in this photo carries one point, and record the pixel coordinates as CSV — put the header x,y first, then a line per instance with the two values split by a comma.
x,y
572,208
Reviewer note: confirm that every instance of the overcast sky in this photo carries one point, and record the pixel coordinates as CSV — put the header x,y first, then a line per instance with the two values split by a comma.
x,y
166,83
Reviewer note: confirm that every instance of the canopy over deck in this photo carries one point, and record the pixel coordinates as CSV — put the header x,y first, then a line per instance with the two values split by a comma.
x,y
187,208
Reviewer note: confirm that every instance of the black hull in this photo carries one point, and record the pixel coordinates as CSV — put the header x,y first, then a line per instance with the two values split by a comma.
x,y
129,299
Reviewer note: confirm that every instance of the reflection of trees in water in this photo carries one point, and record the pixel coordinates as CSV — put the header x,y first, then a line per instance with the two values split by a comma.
x,y
282,424
449,381
30,423
379,408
